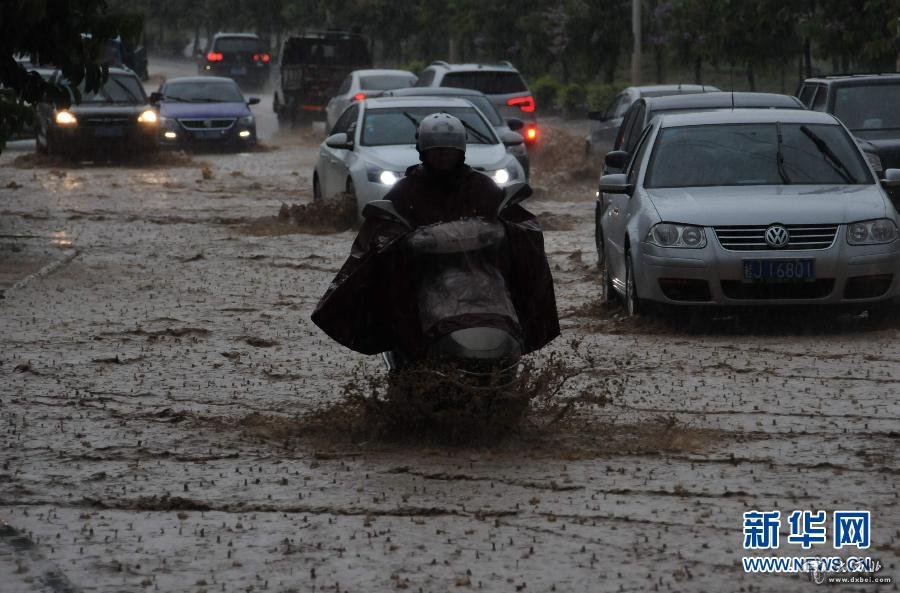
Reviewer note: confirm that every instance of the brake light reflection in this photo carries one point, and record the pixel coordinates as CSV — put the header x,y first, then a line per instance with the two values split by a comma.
x,y
531,134
359,96
214,56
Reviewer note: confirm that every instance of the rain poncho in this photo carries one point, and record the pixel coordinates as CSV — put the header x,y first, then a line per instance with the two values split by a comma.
x,y
375,303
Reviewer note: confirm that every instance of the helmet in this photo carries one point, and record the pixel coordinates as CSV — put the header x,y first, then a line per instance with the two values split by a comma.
x,y
441,130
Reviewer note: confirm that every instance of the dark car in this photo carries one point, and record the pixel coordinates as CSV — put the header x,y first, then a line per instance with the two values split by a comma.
x,y
868,104
507,130
645,109
204,112
116,119
240,56
603,132
310,71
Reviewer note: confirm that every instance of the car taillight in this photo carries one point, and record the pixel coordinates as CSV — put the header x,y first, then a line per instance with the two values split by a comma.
x,y
255,57
531,134
359,96
266,58
214,56
525,104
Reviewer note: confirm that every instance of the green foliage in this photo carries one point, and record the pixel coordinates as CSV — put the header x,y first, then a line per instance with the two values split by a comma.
x,y
600,95
545,89
572,97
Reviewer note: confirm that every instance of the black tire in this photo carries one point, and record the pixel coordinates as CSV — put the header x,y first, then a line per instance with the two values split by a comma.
x,y
317,189
632,300
39,145
598,237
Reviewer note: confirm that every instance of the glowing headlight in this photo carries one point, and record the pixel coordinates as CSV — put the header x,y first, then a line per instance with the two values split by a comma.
x,y
170,135
500,176
65,118
244,133
666,234
388,177
148,117
872,232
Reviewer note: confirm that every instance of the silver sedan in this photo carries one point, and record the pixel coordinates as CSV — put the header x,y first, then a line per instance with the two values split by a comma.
x,y
748,207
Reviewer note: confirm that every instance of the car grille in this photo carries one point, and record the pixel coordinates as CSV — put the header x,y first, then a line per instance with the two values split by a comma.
x,y
752,238
106,120
201,124
817,289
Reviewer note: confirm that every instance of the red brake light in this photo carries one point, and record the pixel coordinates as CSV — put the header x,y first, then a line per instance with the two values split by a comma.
x,y
531,134
255,57
266,58
526,104
359,96
214,56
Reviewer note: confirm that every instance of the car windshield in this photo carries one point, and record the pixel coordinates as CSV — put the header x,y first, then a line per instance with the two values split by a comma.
x,y
755,154
237,45
398,125
385,82
204,92
489,83
869,107
119,88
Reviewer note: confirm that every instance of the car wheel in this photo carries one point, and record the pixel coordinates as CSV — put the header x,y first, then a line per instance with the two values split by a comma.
x,y
598,238
632,301
40,144
317,188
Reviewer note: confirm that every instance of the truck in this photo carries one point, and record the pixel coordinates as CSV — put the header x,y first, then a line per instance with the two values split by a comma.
x,y
311,67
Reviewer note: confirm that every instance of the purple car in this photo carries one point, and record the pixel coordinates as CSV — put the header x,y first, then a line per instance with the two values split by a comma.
x,y
204,112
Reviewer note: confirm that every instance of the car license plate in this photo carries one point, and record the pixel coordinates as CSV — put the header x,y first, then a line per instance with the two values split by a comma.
x,y
207,134
238,71
109,132
779,270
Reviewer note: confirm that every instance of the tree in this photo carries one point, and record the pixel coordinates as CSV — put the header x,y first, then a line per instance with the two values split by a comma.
x,y
69,34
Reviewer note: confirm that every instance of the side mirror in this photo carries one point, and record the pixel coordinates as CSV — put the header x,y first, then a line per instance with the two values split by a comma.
x,y
384,210
253,101
339,140
615,183
597,115
515,124
516,193
511,138
616,159
891,179
156,97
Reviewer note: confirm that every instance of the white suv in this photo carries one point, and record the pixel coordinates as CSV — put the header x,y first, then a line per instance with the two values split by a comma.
x,y
501,82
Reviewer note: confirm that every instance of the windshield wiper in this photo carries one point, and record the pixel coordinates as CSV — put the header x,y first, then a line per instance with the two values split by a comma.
x,y
479,135
836,163
779,157
124,88
412,119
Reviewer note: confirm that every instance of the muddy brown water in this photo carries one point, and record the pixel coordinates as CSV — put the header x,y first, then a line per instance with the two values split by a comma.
x,y
173,421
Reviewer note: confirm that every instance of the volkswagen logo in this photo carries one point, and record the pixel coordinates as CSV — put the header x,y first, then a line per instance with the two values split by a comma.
x,y
777,236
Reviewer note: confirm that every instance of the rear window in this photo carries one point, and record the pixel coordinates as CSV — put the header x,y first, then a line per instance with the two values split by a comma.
x,y
489,83
385,82
869,107
326,51
236,45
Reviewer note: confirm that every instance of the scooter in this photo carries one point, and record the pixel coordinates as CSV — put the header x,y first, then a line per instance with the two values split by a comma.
x,y
459,273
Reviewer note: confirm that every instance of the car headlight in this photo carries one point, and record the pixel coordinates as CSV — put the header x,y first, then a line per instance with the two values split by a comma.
x,y
246,121
148,117
382,176
872,232
65,118
500,176
874,161
666,234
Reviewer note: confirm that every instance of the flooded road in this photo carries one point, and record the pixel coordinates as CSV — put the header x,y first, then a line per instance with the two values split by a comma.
x,y
172,420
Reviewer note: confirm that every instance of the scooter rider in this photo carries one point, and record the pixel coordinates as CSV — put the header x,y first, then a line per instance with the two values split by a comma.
x,y
370,306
